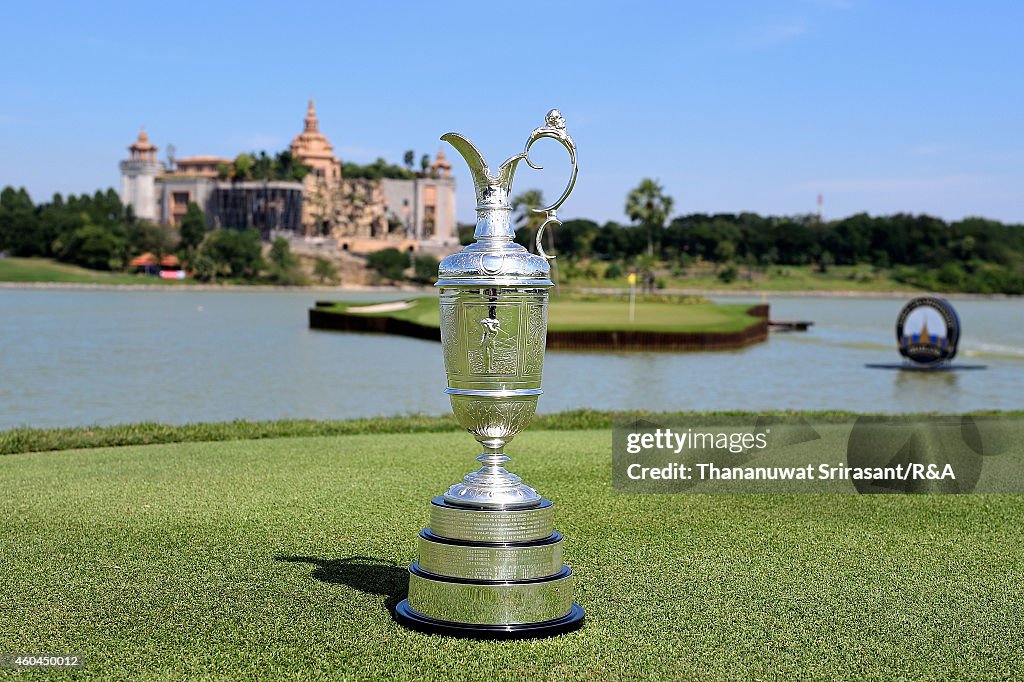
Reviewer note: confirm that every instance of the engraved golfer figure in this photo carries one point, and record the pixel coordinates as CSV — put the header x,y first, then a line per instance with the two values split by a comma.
x,y
490,336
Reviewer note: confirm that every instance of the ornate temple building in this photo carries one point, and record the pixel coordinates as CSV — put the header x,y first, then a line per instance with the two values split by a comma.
x,y
359,214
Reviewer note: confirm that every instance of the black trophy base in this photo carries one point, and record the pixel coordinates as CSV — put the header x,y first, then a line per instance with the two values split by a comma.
x,y
415,620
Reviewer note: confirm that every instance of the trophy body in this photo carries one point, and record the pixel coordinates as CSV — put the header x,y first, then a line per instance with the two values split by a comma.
x,y
490,564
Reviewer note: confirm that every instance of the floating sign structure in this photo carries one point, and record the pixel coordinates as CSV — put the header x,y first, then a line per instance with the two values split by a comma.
x,y
927,336
928,331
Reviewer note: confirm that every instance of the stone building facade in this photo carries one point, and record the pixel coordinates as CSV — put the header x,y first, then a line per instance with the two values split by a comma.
x,y
359,214
365,215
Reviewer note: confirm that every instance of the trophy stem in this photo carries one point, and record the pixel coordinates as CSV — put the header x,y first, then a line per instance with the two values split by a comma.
x,y
493,458
492,473
492,486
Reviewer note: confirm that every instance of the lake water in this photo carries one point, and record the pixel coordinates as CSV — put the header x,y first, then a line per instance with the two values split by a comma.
x,y
72,358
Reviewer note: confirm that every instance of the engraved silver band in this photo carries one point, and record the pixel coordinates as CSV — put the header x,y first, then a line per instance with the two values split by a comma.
x,y
494,393
486,525
488,282
499,603
482,562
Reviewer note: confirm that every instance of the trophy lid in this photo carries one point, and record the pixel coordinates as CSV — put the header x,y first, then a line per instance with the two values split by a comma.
x,y
494,259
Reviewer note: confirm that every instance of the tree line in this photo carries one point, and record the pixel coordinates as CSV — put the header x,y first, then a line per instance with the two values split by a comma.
x,y
95,231
284,166
98,232
973,254
262,166
382,169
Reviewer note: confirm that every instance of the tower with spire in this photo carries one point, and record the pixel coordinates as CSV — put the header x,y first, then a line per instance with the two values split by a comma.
x,y
138,177
442,167
312,148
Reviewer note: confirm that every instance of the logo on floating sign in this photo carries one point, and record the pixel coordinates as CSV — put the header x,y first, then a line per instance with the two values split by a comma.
x,y
928,331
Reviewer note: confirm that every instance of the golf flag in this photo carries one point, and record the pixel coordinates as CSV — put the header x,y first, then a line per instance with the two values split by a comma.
x,y
632,296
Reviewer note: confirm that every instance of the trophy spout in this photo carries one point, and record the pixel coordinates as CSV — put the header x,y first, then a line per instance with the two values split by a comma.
x,y
493,207
492,191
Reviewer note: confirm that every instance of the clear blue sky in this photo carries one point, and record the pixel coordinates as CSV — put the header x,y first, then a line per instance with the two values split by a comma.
x,y
880,106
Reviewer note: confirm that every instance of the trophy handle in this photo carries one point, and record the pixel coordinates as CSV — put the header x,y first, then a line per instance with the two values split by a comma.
x,y
551,219
554,129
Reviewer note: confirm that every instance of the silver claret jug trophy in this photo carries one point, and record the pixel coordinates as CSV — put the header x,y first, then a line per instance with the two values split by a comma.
x,y
490,564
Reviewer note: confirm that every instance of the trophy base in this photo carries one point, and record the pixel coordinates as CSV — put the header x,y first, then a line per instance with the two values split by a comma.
x,y
415,620
490,574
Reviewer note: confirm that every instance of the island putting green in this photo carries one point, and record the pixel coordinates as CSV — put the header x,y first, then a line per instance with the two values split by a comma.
x,y
583,324
281,557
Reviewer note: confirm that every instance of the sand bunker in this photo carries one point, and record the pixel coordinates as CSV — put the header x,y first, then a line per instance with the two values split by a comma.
x,y
380,307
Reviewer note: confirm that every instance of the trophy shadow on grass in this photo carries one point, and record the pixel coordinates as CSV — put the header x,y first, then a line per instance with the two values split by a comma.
x,y
364,573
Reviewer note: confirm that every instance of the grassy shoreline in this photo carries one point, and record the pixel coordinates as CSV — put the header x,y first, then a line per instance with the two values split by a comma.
x,y
28,439
780,279
45,270
39,273
430,290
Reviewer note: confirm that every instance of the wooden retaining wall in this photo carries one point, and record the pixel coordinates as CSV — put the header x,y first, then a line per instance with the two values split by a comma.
x,y
564,340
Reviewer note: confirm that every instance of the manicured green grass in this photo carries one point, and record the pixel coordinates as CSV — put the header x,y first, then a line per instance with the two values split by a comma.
x,y
46,270
783,278
20,440
650,316
280,558
778,278
606,315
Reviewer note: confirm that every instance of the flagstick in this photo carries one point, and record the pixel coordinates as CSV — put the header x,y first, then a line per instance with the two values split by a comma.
x,y
632,297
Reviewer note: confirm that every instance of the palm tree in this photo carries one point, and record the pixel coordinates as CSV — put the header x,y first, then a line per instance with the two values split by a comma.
x,y
648,205
523,205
